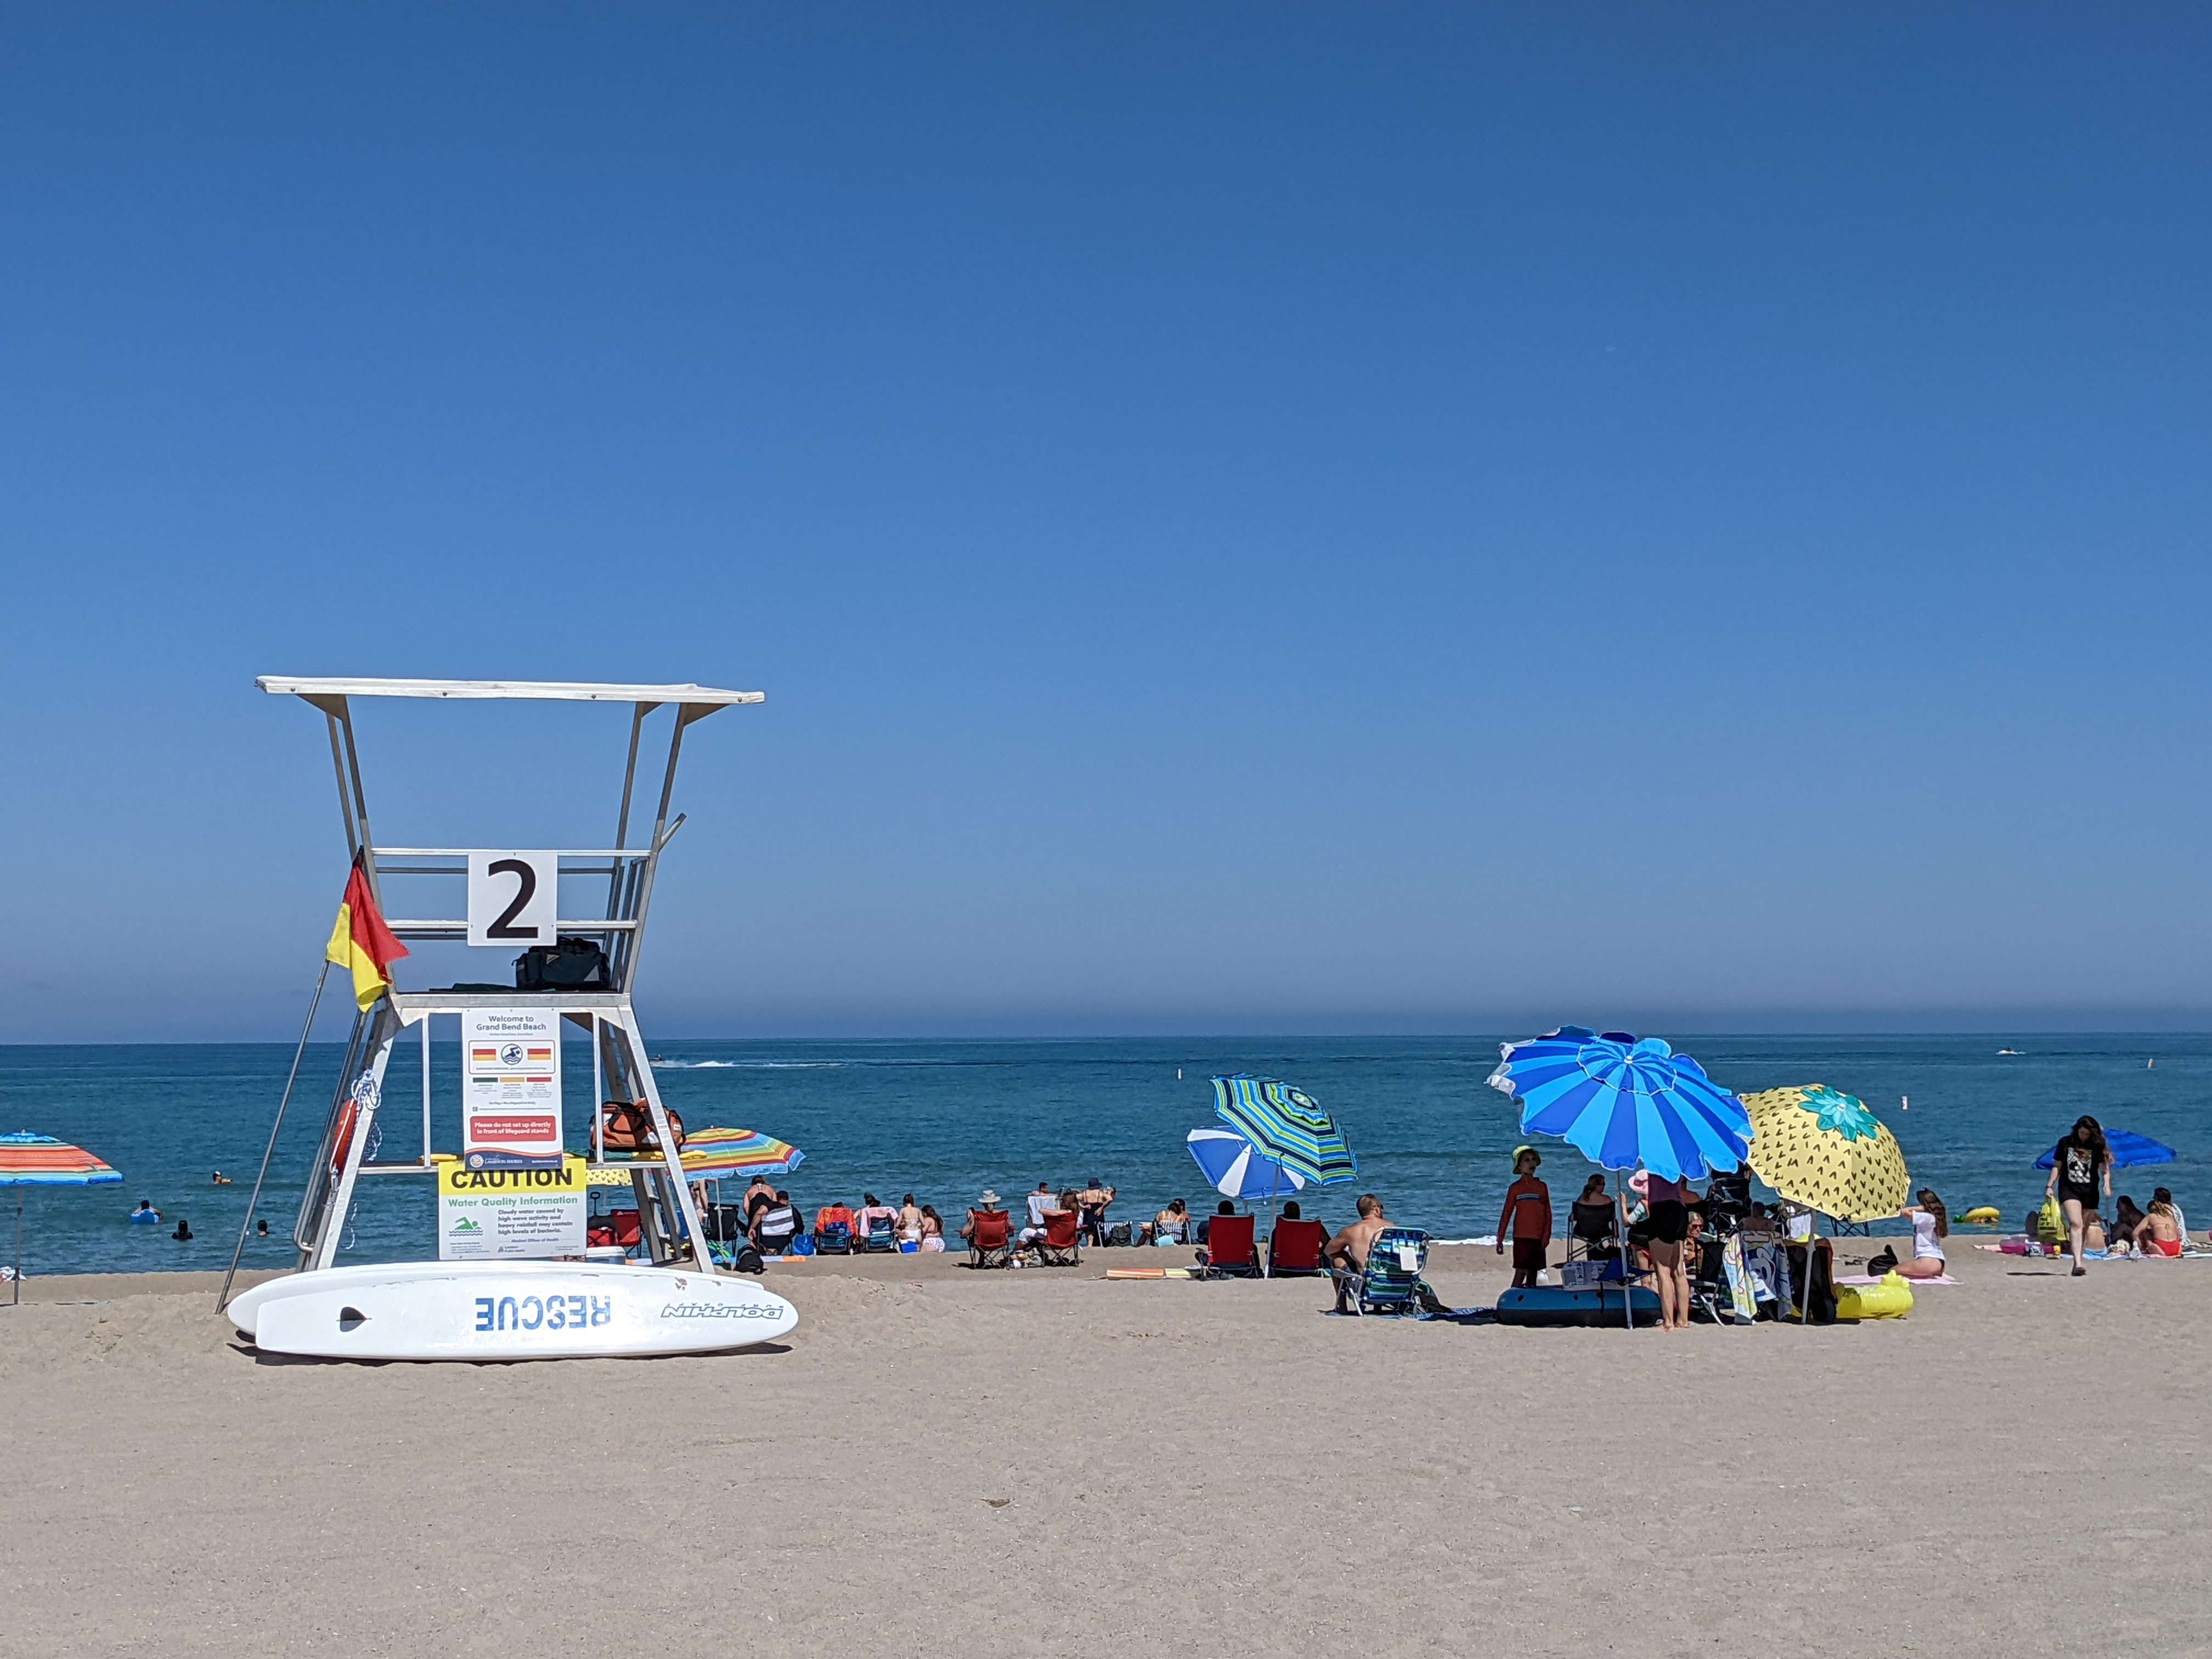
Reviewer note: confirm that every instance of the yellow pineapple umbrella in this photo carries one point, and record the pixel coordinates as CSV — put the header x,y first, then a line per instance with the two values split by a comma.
x,y
1821,1148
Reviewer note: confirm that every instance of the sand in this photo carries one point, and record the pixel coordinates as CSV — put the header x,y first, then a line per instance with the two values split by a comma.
x,y
1047,1463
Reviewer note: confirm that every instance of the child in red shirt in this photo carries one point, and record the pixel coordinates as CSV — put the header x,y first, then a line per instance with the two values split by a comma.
x,y
1527,1217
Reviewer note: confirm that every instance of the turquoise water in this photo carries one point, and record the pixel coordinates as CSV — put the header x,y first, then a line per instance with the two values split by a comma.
x,y
943,1120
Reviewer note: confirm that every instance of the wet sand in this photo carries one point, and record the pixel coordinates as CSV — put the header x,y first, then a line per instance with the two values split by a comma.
x,y
1044,1462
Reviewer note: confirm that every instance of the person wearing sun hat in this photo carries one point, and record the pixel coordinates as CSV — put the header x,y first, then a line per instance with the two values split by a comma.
x,y
984,1205
1526,1218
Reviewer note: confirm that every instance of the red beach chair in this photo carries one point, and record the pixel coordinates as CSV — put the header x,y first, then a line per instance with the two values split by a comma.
x,y
1059,1246
1295,1247
625,1225
987,1243
1229,1246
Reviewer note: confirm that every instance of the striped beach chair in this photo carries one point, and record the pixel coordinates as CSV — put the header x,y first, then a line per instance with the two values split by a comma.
x,y
1392,1281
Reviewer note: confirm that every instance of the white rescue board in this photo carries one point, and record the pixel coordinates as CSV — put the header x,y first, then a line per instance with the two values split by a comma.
x,y
500,1310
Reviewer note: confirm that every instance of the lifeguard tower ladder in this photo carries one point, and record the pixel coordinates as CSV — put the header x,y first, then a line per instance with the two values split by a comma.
x,y
670,1224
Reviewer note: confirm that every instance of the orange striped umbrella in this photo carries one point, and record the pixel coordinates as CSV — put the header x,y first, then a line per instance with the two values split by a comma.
x,y
31,1160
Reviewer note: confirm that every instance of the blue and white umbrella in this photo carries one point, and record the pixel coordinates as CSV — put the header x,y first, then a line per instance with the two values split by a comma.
x,y
1622,1101
1237,1169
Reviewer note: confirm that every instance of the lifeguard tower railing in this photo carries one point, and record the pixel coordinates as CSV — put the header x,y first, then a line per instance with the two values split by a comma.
x,y
670,1225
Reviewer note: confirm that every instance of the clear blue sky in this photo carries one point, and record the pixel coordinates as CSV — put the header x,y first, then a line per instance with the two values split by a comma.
x,y
1248,518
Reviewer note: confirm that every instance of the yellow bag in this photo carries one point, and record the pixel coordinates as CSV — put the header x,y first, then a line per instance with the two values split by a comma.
x,y
2049,1224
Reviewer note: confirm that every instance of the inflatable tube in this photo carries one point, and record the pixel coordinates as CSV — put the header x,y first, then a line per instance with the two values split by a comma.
x,y
1984,1215
1553,1304
1890,1299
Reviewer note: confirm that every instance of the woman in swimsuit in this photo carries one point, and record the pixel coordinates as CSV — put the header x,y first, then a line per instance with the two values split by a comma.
x,y
932,1228
1667,1215
1931,1225
2080,1165
909,1221
2159,1233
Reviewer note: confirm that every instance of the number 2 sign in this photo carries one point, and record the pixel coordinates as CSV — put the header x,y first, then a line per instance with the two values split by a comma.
x,y
512,898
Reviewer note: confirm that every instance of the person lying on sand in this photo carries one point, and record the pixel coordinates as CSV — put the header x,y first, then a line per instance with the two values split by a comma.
x,y
1346,1253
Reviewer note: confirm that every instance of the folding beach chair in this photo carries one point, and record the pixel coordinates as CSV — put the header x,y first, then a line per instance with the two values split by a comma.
x,y
989,1246
626,1228
883,1234
1295,1248
1059,1247
1392,1282
1230,1249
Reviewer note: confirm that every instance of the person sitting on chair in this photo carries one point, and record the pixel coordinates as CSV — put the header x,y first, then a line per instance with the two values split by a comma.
x,y
986,1203
775,1225
1170,1226
1593,1219
1345,1255
1041,1203
1205,1222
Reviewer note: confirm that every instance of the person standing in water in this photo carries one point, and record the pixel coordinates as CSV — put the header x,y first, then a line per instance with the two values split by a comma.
x,y
2081,1166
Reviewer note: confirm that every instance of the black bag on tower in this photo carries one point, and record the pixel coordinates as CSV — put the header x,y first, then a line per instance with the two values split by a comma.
x,y
568,964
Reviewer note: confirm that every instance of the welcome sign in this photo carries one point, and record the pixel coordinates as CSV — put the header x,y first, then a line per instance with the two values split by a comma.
x,y
511,1082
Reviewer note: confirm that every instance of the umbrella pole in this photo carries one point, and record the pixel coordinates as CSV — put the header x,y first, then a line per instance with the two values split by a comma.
x,y
19,1245
1627,1275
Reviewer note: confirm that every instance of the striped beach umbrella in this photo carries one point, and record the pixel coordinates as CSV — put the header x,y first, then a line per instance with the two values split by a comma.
x,y
1821,1148
1286,1124
1621,1101
35,1160
728,1154
1237,1169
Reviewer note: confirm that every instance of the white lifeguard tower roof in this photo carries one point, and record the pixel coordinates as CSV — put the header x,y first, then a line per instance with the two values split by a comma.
x,y
545,690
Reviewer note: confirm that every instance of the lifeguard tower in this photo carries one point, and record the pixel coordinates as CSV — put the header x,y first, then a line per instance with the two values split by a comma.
x,y
517,898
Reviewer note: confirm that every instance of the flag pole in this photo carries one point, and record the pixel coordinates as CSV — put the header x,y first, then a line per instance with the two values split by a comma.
x,y
254,1203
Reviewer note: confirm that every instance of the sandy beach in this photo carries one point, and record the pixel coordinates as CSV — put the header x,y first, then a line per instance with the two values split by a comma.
x,y
1049,1462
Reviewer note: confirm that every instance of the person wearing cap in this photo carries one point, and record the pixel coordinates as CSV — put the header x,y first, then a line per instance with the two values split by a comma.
x,y
1526,1218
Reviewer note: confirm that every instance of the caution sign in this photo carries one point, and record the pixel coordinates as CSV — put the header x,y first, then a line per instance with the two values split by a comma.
x,y
510,1214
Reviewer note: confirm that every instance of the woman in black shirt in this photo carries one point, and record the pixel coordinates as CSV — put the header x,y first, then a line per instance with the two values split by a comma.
x,y
2081,1168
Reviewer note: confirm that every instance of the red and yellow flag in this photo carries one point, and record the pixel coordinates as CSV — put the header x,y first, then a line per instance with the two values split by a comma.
x,y
360,941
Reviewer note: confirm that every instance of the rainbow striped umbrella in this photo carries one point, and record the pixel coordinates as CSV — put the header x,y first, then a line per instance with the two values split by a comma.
x,y
726,1154
31,1160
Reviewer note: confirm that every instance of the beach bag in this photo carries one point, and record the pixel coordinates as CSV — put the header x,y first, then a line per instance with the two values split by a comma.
x,y
1118,1234
626,1126
2050,1222
567,965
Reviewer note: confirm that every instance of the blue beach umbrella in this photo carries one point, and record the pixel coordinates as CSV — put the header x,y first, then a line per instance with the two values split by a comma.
x,y
1287,1124
2127,1150
1235,1168
1621,1101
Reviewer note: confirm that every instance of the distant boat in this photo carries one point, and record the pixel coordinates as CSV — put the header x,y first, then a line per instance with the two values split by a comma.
x,y
2001,1053
2149,1065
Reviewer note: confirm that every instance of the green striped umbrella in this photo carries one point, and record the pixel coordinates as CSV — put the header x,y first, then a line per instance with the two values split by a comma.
x,y
1288,1125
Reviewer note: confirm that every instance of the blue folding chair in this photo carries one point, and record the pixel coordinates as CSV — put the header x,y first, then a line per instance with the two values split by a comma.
x,y
1392,1281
